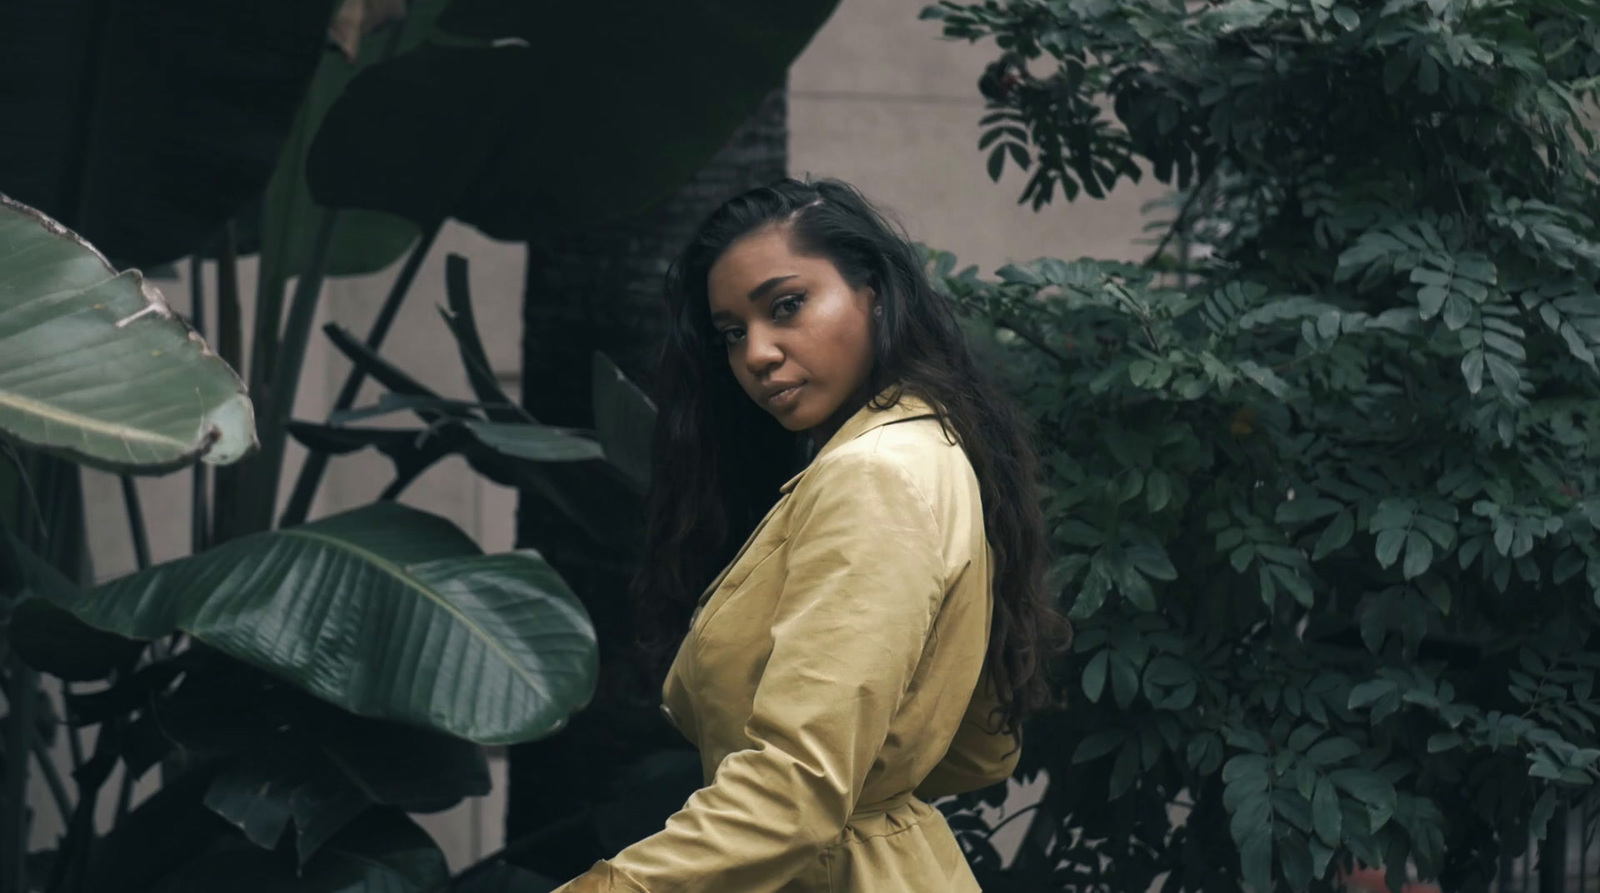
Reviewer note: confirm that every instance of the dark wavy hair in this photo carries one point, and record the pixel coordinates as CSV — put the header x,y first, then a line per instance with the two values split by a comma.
x,y
719,459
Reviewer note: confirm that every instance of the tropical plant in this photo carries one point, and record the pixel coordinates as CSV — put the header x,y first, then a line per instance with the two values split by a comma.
x,y
593,480
231,667
1326,516
163,638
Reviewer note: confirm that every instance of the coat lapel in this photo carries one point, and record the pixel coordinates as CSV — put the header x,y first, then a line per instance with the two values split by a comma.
x,y
864,420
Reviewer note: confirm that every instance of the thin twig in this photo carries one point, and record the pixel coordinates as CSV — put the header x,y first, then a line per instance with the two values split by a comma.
x,y
1182,218
1011,818
1032,338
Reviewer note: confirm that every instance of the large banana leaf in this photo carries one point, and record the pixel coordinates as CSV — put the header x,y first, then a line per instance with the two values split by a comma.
x,y
94,365
363,241
386,611
145,125
579,113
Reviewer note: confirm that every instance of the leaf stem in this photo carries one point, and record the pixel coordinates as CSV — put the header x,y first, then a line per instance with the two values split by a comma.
x,y
305,486
1181,220
19,733
1032,338
141,542
52,778
1032,808
200,472
261,497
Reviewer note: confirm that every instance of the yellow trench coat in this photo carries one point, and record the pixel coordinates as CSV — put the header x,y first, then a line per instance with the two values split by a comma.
x,y
831,681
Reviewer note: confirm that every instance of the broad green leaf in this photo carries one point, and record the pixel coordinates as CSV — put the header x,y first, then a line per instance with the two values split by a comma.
x,y
1299,511
1255,855
1368,787
1419,555
1472,369
255,795
1325,814
1443,741
1388,546
1542,812
385,611
1158,490
625,419
537,443
383,850
1152,561
1334,536
1123,771
1369,692
48,637
148,143
1098,745
688,74
95,366
1332,750
1124,679
1094,675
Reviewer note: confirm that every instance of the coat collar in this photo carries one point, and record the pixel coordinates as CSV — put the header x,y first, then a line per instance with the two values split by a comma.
x,y
866,419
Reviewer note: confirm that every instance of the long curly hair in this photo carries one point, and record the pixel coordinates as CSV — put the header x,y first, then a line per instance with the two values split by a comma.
x,y
719,459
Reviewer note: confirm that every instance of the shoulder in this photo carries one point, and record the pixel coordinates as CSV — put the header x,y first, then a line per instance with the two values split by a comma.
x,y
915,454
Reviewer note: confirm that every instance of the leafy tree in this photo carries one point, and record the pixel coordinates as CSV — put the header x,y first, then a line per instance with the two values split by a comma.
x,y
1321,471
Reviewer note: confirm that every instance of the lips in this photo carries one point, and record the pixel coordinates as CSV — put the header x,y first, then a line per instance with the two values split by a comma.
x,y
781,392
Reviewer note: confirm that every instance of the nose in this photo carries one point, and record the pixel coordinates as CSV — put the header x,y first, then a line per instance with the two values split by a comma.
x,y
761,350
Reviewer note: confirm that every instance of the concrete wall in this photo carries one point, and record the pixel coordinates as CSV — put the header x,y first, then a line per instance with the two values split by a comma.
x,y
878,99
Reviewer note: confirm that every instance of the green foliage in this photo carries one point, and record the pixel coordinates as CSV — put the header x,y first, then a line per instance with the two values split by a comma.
x,y
1325,514
92,355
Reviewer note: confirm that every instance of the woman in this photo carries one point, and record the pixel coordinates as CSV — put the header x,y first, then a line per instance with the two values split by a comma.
x,y
877,640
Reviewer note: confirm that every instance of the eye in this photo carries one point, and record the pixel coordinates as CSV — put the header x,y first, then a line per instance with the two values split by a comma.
x,y
727,336
787,306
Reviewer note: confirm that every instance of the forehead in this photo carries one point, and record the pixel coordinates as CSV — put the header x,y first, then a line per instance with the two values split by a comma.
x,y
752,260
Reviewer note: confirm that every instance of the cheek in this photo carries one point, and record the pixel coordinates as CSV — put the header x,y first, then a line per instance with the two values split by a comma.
x,y
845,334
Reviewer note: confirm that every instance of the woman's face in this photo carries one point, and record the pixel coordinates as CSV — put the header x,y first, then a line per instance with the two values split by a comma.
x,y
798,336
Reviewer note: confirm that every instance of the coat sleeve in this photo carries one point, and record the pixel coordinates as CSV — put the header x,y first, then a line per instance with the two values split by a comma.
x,y
979,756
864,579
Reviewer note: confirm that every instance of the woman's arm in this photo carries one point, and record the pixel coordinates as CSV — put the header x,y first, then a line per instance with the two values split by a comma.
x,y
865,579
979,756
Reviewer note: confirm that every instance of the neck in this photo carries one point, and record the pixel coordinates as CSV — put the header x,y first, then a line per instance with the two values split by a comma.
x,y
824,432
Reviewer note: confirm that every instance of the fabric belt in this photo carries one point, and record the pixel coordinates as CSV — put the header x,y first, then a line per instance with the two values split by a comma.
x,y
881,807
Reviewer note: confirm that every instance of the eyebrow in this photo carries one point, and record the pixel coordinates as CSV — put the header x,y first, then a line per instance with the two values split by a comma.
x,y
758,293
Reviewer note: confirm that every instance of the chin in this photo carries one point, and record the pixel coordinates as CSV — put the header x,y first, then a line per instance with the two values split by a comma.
x,y
796,420
802,417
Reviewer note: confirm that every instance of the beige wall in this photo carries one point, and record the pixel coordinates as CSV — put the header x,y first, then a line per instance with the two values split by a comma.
x,y
877,99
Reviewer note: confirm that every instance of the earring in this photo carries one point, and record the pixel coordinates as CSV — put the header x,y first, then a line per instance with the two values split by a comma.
x,y
878,310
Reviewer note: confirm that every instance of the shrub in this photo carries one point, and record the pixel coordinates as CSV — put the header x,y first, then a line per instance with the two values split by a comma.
x,y
1321,471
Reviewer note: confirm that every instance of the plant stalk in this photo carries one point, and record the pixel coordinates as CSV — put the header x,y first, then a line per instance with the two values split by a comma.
x,y
19,733
141,542
230,346
230,324
262,496
200,473
74,734
52,778
305,486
